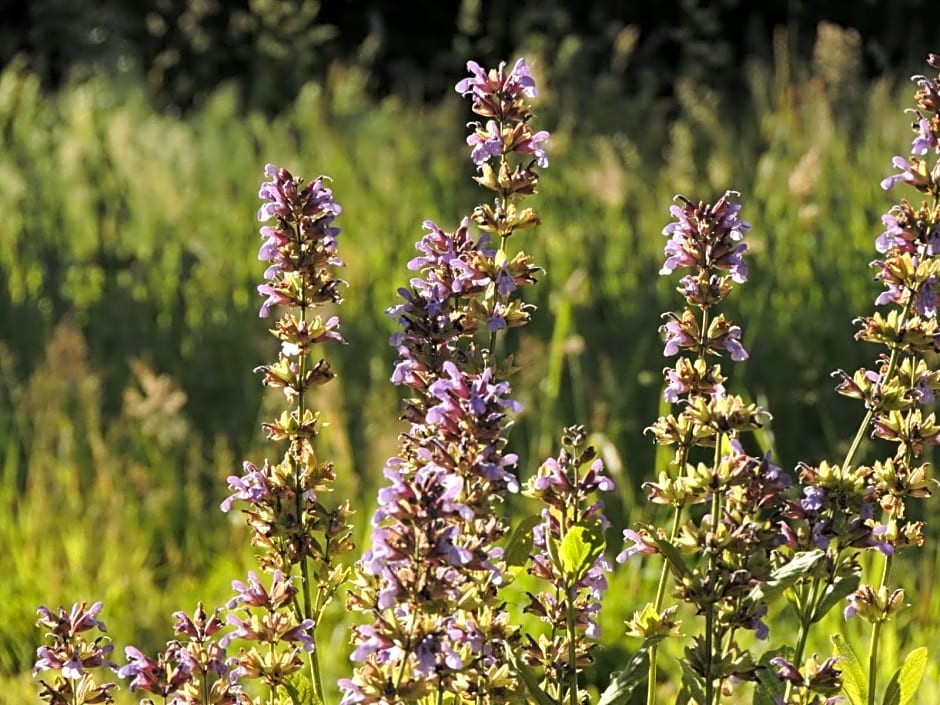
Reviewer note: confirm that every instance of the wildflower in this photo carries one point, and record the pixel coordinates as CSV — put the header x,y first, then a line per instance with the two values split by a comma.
x,y
567,487
707,237
914,172
429,580
76,657
302,245
641,543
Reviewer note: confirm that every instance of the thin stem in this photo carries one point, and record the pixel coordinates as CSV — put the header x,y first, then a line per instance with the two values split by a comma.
x,y
572,651
712,695
681,459
657,605
876,628
873,661
709,625
502,248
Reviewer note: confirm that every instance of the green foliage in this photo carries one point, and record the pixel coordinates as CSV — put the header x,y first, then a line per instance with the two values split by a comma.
x,y
628,681
580,547
854,681
906,679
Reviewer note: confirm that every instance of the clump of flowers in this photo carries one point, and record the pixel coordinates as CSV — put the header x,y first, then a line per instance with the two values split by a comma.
x,y
299,536
569,558
720,558
75,657
192,669
434,625
429,581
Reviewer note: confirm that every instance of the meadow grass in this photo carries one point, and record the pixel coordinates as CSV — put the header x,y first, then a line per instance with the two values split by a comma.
x,y
128,317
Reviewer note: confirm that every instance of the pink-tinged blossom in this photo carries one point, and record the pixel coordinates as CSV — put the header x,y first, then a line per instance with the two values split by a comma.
x,y
896,236
640,543
487,142
533,145
707,237
677,338
481,85
252,487
911,172
925,140
301,245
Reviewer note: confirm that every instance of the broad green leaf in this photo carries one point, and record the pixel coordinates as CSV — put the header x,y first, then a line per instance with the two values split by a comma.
x,y
519,547
300,688
530,679
835,593
905,681
625,682
787,574
580,547
854,683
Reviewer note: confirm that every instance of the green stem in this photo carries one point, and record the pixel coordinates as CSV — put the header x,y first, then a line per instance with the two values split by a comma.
x,y
681,459
572,651
712,695
657,605
808,597
873,661
709,626
502,248
876,630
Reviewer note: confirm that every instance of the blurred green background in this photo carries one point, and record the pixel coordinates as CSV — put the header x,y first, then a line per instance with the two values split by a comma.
x,y
133,140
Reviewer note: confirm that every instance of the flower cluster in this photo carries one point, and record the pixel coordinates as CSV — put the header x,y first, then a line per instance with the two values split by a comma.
x,y
285,502
74,655
569,559
501,99
900,393
264,616
848,507
720,560
192,670
429,581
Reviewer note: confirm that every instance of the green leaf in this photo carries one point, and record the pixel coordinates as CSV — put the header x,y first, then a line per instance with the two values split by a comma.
x,y
692,684
519,547
530,679
905,681
769,687
580,547
787,574
835,593
672,556
300,689
625,682
854,683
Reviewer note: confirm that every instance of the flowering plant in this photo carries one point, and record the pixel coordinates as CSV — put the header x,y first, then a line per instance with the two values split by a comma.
x,y
431,590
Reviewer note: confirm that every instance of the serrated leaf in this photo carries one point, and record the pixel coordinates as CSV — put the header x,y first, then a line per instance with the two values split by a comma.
x,y
854,683
835,593
769,687
625,682
530,679
692,684
906,679
787,574
519,547
580,547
